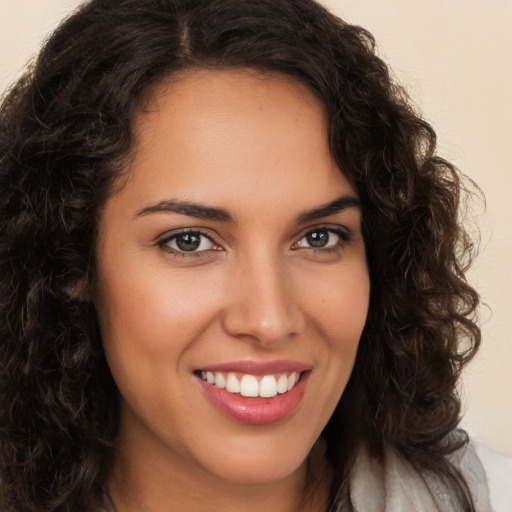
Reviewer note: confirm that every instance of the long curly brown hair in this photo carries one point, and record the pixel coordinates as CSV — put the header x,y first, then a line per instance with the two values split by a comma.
x,y
65,135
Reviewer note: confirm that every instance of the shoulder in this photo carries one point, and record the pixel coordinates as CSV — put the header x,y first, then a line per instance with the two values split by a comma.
x,y
398,485
498,469
467,461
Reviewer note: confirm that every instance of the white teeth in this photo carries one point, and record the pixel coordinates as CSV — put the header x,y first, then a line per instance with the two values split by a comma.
x,y
249,386
267,386
232,383
220,380
282,384
292,380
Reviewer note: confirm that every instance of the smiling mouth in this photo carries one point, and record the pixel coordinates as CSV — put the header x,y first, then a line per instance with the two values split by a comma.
x,y
247,385
256,393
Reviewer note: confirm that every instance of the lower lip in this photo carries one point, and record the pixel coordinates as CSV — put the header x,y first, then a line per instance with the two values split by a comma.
x,y
256,411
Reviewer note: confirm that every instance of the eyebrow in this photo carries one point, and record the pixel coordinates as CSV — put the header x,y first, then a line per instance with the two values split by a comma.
x,y
338,205
202,211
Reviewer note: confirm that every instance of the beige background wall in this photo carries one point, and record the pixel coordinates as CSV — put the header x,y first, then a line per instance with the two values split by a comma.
x,y
456,58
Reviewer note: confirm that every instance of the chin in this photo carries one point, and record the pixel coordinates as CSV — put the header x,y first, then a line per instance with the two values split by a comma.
x,y
255,466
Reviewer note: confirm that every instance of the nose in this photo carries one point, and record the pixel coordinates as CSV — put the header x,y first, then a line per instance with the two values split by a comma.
x,y
263,304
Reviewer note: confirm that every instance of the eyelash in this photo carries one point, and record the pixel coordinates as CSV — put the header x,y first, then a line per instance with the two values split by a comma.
x,y
344,239
164,243
343,235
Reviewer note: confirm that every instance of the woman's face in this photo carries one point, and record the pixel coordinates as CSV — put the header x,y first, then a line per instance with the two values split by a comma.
x,y
231,263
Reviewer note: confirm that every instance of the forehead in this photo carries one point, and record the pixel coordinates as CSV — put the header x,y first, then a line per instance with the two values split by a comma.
x,y
188,87
231,136
207,108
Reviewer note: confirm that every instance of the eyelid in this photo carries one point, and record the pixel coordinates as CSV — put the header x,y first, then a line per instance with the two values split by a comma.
x,y
341,231
333,228
163,240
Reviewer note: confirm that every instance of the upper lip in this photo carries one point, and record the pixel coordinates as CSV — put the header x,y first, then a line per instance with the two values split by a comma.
x,y
257,367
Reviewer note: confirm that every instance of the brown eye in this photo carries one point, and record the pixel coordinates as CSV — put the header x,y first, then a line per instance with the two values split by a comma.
x,y
318,238
323,238
190,241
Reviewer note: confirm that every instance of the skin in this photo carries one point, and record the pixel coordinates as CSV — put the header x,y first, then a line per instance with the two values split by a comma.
x,y
256,147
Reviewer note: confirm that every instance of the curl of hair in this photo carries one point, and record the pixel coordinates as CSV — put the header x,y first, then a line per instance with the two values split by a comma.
x,y
65,133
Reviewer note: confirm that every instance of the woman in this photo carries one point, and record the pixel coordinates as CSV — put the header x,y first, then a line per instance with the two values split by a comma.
x,y
232,271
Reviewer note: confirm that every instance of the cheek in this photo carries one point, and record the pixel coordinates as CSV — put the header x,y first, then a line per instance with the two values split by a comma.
x,y
342,307
342,311
150,324
151,317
